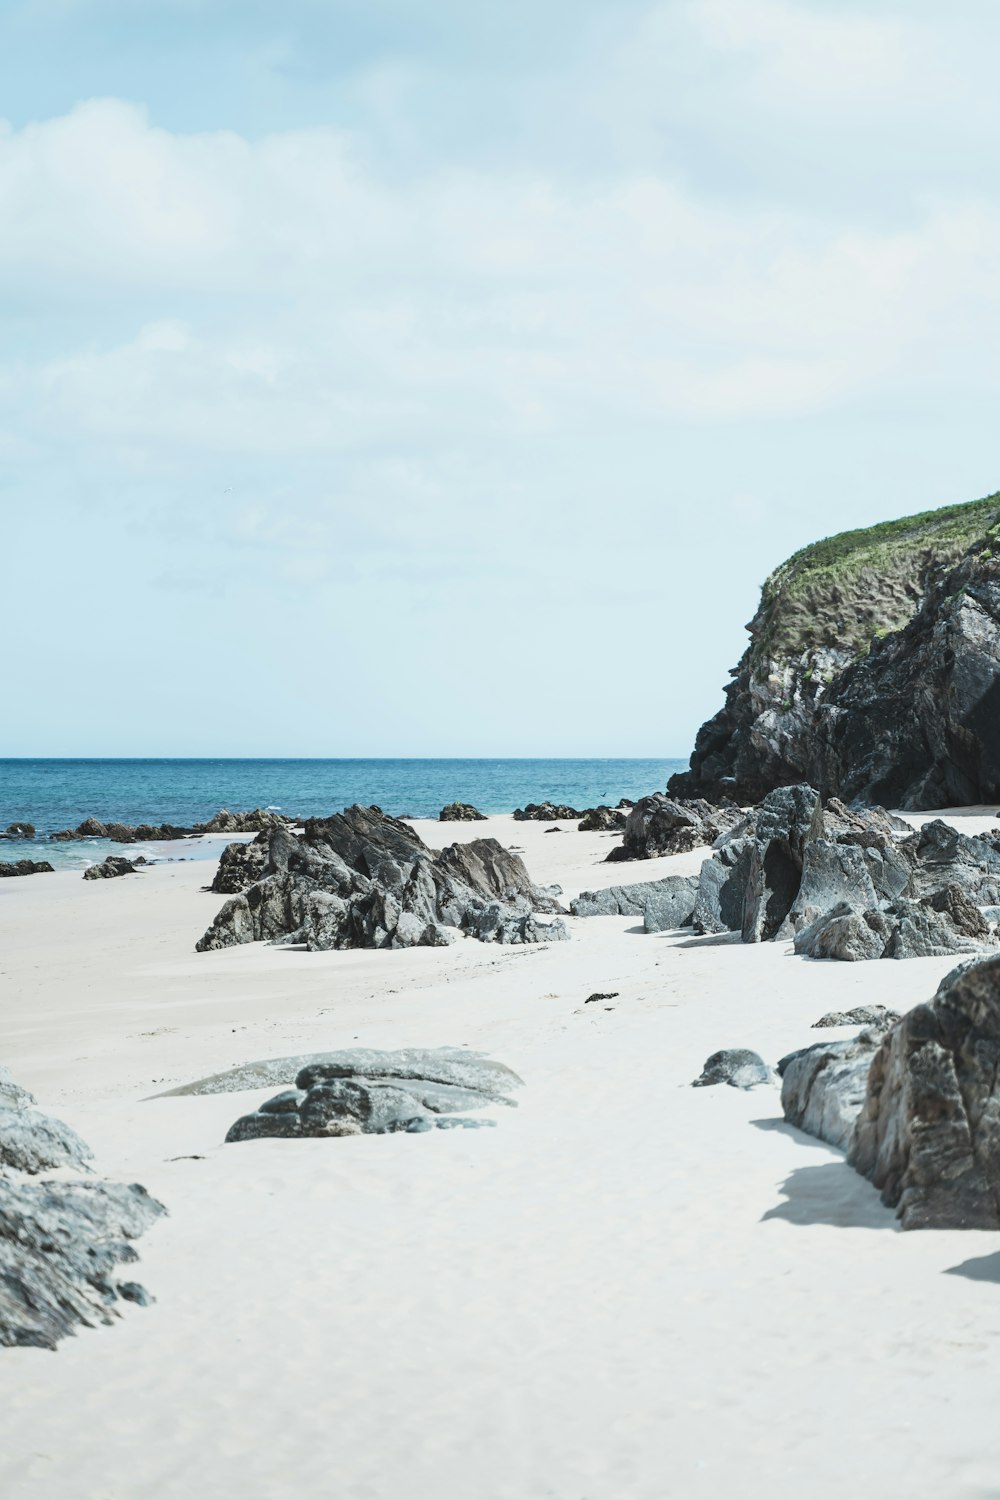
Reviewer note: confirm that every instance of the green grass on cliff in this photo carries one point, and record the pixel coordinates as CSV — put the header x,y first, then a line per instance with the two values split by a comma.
x,y
845,590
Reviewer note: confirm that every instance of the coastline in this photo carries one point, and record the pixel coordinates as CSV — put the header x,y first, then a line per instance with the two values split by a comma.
x,y
376,1313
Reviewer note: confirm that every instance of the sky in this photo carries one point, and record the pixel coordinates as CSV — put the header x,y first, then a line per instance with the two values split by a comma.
x,y
411,377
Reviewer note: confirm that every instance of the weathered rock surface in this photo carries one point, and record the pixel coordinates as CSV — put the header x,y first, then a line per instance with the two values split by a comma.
x,y
859,1015
659,825
363,880
737,1066
60,1241
461,812
663,904
455,1065
928,1135
110,868
545,812
240,865
256,821
823,1086
906,929
602,820
16,867
787,820
873,671
366,1092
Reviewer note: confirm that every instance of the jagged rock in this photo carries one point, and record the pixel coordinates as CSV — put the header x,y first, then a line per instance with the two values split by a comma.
x,y
664,904
12,1095
737,1066
60,1244
461,812
658,825
110,868
941,856
906,929
11,868
787,821
545,812
823,1086
602,820
831,874
722,888
954,903
240,865
32,1142
258,820
18,831
861,825
366,1092
928,1135
859,1015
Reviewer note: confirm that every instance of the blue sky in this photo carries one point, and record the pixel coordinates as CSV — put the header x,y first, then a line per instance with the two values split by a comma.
x,y
408,378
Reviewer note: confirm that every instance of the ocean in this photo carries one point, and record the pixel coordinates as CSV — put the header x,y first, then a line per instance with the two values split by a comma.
x,y
56,794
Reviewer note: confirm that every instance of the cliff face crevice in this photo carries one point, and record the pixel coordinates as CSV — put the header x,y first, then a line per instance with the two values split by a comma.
x,y
873,671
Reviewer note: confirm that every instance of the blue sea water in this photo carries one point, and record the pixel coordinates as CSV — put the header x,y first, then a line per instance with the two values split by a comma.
x,y
55,794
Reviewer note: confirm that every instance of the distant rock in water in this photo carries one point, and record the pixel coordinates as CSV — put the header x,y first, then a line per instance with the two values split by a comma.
x,y
366,1092
873,671
110,868
461,812
257,821
545,812
363,880
61,1242
18,831
25,867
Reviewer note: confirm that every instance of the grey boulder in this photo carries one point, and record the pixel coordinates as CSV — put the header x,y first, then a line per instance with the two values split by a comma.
x,y
823,1086
736,1066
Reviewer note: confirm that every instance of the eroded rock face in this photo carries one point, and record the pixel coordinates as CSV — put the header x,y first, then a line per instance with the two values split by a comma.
x,y
928,1135
61,1242
787,821
366,1092
364,880
905,929
659,825
240,865
823,1086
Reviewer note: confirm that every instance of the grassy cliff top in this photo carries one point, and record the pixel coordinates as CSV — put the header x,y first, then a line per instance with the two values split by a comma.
x,y
846,589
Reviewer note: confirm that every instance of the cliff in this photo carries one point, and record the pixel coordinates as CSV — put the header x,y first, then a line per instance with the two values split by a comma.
x,y
873,670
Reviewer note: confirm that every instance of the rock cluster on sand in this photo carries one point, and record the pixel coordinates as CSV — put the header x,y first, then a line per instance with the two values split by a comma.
x,y
845,884
110,868
126,833
60,1241
662,904
604,819
545,812
873,671
365,1092
916,1106
25,867
461,812
361,879
659,825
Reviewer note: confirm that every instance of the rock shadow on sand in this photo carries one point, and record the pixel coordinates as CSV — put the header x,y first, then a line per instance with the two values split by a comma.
x,y
978,1268
832,1194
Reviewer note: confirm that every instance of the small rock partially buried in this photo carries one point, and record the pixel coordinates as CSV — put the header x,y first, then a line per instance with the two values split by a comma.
x,y
737,1066
861,1015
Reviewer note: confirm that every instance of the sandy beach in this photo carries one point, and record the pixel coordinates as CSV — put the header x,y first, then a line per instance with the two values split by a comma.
x,y
628,1290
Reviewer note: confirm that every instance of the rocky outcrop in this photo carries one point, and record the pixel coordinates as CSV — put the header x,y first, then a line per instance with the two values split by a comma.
x,y
873,671
663,904
257,821
61,1242
365,1092
18,831
928,1135
461,812
736,1066
110,868
904,929
361,879
823,1087
602,820
16,867
545,812
659,825
240,865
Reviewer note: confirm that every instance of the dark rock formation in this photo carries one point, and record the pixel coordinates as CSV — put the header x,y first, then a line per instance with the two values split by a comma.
x,y
110,868
602,820
663,904
658,825
873,671
461,812
365,1092
545,812
860,1015
257,821
737,1066
363,880
787,820
25,867
240,865
18,831
928,1135
823,1086
60,1241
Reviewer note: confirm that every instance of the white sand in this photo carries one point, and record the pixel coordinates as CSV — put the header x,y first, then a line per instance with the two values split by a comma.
x,y
628,1289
